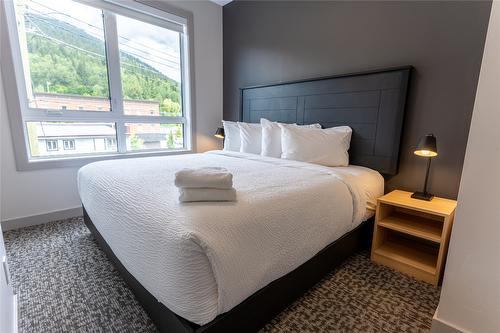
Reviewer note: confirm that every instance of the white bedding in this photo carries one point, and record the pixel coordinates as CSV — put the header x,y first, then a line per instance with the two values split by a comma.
x,y
202,259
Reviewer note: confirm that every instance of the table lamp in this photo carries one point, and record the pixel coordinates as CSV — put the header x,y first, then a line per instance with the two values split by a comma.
x,y
426,148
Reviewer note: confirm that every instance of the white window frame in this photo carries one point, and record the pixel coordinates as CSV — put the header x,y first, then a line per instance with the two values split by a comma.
x,y
19,111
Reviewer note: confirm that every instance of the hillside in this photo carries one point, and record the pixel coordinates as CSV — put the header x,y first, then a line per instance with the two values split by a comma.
x,y
66,59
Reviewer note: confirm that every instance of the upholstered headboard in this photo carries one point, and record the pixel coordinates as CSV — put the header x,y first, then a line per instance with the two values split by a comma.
x,y
371,103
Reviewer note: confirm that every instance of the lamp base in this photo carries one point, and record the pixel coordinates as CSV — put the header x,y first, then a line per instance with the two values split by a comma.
x,y
422,196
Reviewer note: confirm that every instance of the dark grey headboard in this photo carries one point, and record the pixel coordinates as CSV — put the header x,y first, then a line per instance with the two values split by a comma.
x,y
371,103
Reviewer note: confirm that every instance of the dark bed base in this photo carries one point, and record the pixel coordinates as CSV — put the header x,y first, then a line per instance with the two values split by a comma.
x,y
254,312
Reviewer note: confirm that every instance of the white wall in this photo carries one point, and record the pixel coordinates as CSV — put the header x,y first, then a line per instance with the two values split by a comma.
x,y
470,297
2,107
38,192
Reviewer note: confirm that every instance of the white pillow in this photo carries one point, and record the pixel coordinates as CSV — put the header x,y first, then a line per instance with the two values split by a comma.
x,y
232,141
271,136
321,146
251,138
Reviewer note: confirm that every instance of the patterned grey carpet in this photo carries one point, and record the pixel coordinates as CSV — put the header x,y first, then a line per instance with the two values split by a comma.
x,y
66,284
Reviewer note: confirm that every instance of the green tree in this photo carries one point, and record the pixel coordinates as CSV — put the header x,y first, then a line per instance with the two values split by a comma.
x,y
170,140
136,142
170,108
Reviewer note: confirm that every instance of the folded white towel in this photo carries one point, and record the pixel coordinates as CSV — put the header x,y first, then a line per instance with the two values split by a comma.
x,y
206,194
208,177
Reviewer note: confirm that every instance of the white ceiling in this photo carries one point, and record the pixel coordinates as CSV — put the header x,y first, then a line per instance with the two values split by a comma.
x,y
221,2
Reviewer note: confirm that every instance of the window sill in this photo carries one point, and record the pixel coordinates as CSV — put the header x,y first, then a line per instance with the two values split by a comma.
x,y
79,161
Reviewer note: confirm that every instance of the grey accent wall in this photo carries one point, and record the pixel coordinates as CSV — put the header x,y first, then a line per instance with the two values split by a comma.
x,y
269,42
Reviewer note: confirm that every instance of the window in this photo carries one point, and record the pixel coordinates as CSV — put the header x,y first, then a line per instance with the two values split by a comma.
x,y
154,136
90,137
69,144
102,77
52,145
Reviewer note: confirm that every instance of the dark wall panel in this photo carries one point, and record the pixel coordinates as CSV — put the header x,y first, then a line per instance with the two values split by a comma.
x,y
269,42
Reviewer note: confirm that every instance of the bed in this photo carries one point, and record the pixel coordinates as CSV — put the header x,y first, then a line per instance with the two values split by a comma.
x,y
233,266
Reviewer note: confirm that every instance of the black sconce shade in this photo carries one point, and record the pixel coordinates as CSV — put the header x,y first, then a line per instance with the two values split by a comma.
x,y
219,133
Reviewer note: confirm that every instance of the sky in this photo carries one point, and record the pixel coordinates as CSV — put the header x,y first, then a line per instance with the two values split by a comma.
x,y
154,45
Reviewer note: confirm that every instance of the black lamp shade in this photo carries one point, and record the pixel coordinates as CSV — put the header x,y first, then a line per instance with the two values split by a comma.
x,y
219,133
427,146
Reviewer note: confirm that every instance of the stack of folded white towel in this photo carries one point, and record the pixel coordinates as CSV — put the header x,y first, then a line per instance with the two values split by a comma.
x,y
205,184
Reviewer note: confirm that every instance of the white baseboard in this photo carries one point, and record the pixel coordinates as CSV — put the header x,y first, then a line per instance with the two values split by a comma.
x,y
441,326
27,221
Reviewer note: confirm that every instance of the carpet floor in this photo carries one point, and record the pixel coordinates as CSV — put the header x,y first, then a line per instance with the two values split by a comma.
x,y
66,284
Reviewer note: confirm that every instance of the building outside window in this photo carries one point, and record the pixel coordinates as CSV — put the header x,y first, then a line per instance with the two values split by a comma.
x,y
69,144
111,143
52,145
97,71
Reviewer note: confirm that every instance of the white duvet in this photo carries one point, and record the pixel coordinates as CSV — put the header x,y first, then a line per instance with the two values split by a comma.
x,y
202,259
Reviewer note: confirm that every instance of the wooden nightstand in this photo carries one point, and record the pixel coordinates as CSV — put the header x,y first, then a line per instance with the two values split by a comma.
x,y
412,235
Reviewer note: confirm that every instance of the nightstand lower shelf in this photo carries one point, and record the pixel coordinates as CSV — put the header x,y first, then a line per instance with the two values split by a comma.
x,y
416,258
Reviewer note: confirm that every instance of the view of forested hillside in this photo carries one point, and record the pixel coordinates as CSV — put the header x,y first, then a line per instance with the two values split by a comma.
x,y
66,59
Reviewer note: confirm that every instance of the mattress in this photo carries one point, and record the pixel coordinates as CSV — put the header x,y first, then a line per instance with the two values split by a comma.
x,y
202,259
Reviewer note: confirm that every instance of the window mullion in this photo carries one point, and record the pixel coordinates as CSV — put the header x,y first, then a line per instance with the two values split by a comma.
x,y
114,75
93,116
